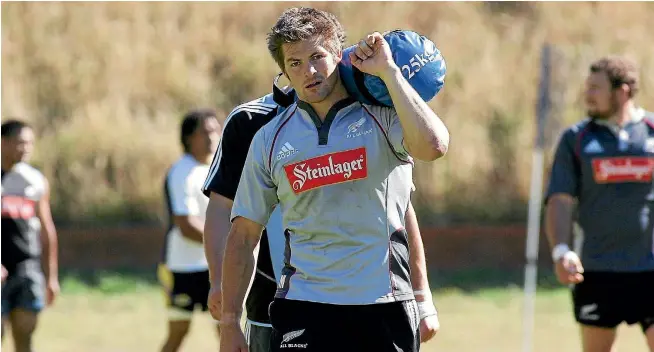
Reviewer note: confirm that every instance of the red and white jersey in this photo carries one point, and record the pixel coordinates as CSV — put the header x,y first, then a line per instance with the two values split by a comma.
x,y
22,188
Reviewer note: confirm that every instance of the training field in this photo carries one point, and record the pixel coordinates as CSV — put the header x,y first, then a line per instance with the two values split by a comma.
x,y
124,315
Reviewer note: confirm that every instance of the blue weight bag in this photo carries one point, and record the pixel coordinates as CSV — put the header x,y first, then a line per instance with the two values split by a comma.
x,y
417,57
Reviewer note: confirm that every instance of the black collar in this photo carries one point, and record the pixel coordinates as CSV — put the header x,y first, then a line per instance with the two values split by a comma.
x,y
343,103
281,98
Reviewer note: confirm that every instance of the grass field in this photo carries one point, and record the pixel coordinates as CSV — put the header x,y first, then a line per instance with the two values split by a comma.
x,y
126,315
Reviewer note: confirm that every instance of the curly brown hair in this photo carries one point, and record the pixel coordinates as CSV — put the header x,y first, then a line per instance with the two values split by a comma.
x,y
620,70
305,23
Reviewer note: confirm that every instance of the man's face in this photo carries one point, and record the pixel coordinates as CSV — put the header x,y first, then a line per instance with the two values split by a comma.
x,y
311,69
206,137
601,99
19,147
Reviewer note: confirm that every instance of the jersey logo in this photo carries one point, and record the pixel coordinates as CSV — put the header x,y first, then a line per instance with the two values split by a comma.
x,y
353,129
287,150
16,207
327,170
623,169
593,147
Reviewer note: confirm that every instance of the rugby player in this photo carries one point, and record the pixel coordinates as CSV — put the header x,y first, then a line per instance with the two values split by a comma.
x,y
30,278
183,272
603,170
343,193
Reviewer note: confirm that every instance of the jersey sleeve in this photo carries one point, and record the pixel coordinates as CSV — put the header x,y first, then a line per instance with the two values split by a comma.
x,y
564,177
225,171
180,193
257,193
390,122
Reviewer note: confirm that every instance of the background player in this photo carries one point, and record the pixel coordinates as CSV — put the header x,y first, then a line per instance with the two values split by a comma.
x,y
30,278
604,165
184,272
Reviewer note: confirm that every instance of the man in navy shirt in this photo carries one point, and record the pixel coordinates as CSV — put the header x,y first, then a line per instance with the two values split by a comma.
x,y
604,165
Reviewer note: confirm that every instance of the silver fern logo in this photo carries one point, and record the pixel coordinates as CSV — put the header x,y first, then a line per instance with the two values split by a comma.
x,y
291,335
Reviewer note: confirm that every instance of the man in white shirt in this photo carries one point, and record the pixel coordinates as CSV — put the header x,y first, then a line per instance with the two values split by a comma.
x,y
183,271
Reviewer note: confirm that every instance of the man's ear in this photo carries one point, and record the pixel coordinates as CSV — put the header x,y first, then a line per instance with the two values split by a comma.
x,y
625,91
339,56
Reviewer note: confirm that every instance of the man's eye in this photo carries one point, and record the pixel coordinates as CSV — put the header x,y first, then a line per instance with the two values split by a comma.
x,y
318,56
295,64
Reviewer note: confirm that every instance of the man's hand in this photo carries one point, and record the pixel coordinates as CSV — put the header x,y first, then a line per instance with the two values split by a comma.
x,y
51,291
214,301
373,56
232,338
429,326
569,269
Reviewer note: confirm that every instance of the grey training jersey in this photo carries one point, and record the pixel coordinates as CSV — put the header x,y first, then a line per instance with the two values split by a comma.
x,y
343,187
609,171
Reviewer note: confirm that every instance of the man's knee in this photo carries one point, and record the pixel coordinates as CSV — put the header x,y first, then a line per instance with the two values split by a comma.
x,y
23,325
597,339
177,329
649,335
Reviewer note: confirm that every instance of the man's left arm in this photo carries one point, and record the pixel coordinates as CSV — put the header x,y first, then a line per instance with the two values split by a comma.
x,y
417,260
429,323
425,136
49,245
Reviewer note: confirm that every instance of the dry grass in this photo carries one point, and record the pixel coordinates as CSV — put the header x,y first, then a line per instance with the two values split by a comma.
x,y
486,322
106,83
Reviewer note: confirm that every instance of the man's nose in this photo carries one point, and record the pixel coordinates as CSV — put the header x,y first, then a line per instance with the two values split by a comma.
x,y
310,71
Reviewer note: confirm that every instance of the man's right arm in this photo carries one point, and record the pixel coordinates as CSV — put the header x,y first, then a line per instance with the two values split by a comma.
x,y
560,202
220,186
561,192
558,219
255,198
216,229
238,267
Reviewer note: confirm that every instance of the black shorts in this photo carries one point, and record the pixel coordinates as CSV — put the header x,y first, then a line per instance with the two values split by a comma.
x,y
257,337
606,299
184,292
316,327
24,288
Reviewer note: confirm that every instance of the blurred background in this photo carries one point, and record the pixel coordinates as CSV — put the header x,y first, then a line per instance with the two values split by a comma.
x,y
105,86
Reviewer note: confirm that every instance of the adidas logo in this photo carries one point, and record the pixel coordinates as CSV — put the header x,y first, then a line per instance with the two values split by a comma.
x,y
287,150
593,147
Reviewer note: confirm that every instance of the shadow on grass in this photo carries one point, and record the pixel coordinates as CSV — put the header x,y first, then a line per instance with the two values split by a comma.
x,y
117,280
472,280
466,280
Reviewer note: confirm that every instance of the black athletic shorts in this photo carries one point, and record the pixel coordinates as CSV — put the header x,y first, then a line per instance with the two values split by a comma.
x,y
317,327
24,288
607,299
184,292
